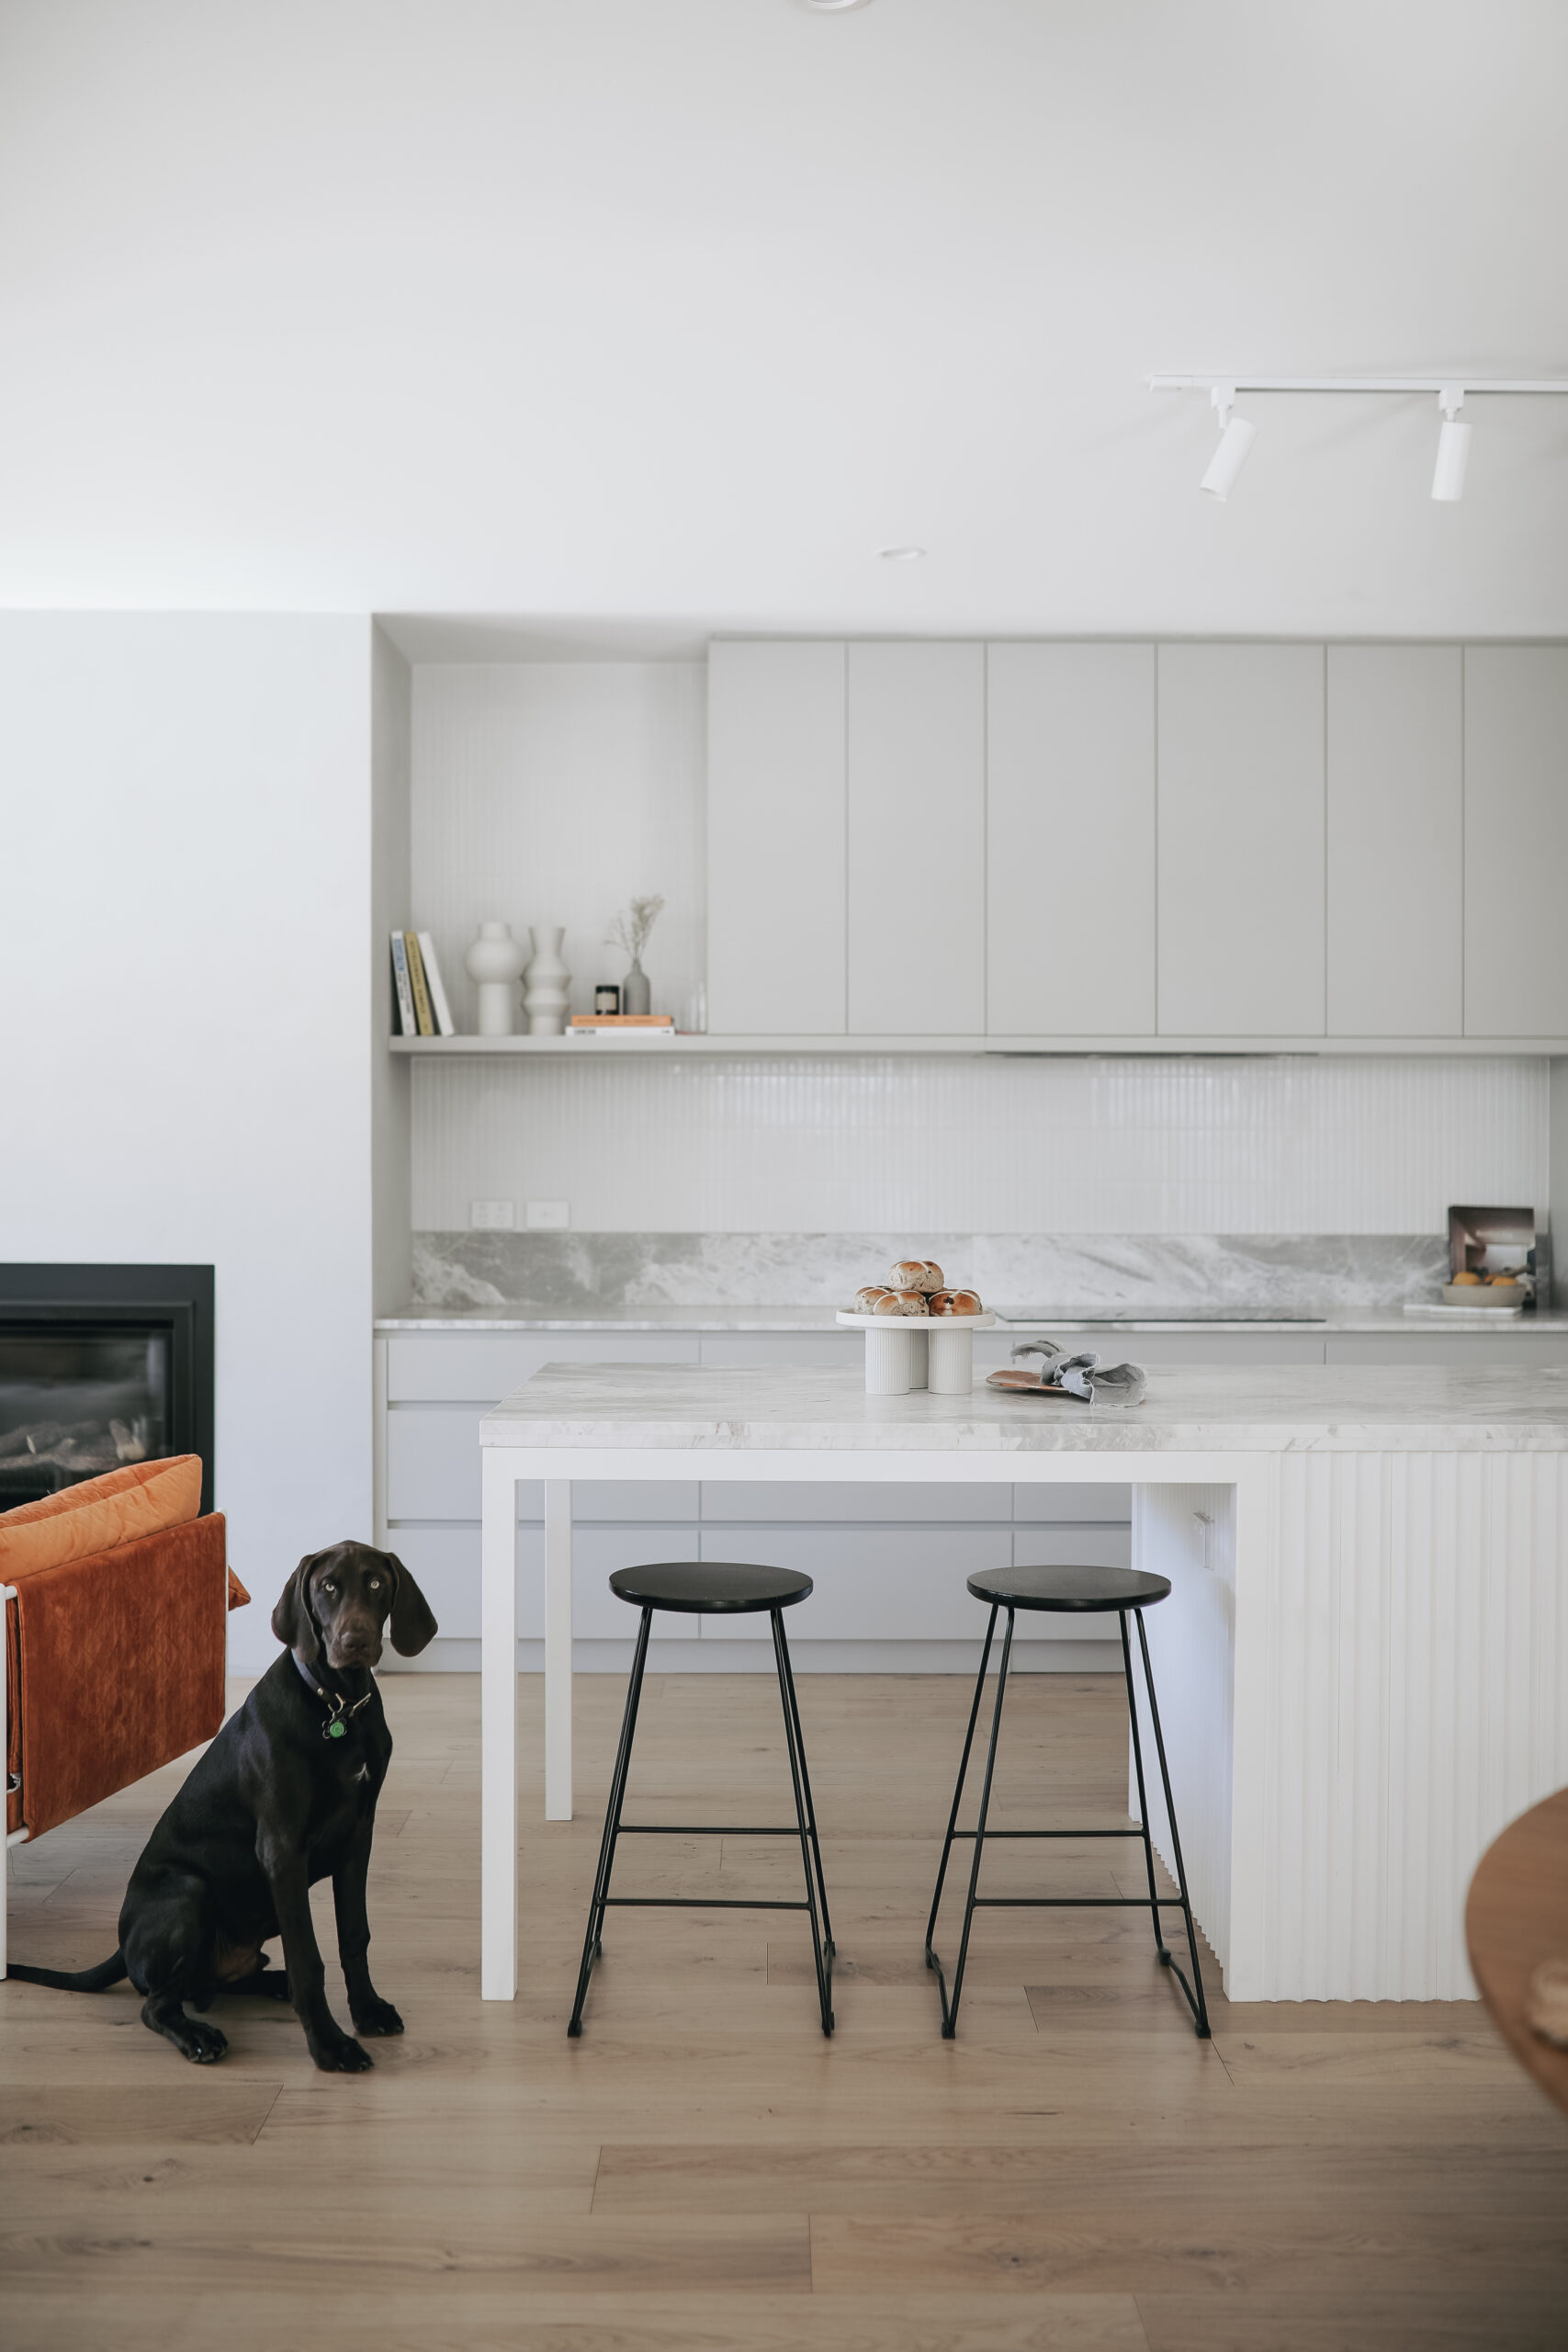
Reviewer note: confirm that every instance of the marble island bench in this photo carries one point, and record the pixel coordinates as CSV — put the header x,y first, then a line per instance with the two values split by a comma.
x,y
1363,1665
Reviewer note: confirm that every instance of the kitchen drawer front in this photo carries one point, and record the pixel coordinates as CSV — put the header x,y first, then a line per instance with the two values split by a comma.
x,y
1033,1506
873,1584
481,1367
642,1499
446,1562
1211,1347
765,1348
433,1465
1518,1350
766,1503
597,1552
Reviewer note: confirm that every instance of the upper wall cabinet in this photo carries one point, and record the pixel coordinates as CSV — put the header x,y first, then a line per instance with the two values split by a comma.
x,y
916,839
1241,846
1070,839
1515,841
1395,771
776,951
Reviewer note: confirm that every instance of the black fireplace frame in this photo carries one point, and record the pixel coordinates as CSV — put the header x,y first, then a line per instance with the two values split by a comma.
x,y
45,1297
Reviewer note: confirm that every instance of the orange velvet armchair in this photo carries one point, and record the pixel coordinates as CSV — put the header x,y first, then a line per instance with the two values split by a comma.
x,y
114,1595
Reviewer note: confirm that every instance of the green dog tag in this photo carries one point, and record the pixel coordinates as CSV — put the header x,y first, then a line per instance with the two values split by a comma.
x,y
335,1731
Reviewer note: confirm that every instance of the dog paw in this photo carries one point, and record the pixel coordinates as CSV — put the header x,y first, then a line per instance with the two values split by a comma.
x,y
378,2018
203,2044
344,2057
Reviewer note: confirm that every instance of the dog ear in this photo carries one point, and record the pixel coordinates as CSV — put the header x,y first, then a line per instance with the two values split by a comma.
x,y
413,1625
292,1621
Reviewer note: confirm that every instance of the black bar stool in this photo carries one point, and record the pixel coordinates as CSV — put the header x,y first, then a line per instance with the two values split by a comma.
x,y
1067,1591
712,1588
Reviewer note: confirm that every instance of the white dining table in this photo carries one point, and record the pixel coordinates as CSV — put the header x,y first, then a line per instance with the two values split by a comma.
x,y
1363,1664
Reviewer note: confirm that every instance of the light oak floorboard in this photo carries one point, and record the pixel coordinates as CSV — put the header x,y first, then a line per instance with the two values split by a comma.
x,y
703,2172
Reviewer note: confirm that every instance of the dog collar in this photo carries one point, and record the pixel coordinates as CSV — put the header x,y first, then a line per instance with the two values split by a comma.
x,y
342,1714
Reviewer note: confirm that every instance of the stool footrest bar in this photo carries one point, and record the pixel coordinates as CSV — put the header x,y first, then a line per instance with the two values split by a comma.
x,y
693,1903
702,1829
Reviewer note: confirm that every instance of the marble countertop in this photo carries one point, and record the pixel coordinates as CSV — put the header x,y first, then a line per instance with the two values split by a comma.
x,y
820,1319
1199,1409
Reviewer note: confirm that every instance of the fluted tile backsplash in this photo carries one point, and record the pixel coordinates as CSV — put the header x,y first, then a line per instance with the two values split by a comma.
x,y
868,1144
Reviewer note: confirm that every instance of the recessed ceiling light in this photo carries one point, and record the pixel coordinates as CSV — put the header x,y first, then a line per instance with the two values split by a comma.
x,y
900,555
830,7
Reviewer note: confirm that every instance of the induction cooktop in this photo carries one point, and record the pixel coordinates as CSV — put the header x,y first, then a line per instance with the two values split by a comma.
x,y
1154,1315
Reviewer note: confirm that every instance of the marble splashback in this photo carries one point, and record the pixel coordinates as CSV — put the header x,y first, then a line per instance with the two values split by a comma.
x,y
1252,1273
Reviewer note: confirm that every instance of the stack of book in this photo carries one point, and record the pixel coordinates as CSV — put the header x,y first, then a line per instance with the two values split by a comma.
x,y
419,1001
649,1025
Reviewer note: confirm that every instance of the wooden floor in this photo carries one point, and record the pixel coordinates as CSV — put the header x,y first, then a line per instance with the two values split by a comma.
x,y
703,2170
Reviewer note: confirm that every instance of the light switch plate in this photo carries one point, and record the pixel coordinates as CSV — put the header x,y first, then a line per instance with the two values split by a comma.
x,y
491,1216
548,1214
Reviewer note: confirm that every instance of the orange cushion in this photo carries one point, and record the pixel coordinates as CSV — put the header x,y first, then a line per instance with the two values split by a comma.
x,y
143,1499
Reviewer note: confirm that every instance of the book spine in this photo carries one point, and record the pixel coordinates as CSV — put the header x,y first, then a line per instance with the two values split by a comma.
x,y
445,1025
422,1013
407,1025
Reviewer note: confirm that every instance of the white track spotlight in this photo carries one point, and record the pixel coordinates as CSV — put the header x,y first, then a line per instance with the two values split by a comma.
x,y
1236,438
1453,448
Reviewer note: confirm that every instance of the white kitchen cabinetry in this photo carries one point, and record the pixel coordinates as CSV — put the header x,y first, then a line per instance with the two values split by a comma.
x,y
1241,841
1515,841
916,839
775,833
1395,771
1070,839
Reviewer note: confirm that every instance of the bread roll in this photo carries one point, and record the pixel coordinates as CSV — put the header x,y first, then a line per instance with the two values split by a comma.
x,y
917,1273
868,1299
955,1302
901,1301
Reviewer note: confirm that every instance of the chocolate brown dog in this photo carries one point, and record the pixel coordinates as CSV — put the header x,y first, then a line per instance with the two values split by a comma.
x,y
285,1795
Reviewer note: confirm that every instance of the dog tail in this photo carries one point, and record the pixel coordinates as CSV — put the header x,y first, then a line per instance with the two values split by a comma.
x,y
86,1980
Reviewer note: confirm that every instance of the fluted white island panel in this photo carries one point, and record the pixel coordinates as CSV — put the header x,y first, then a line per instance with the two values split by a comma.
x,y
1363,1663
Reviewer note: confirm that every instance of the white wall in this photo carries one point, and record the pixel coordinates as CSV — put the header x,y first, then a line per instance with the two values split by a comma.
x,y
185,965
553,792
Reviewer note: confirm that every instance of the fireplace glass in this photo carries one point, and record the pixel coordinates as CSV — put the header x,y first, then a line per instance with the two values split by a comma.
x,y
75,1403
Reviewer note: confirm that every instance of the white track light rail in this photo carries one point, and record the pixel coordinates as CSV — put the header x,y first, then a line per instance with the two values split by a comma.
x,y
1238,435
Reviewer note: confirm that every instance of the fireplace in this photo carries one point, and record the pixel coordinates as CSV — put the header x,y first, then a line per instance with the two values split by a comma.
x,y
100,1366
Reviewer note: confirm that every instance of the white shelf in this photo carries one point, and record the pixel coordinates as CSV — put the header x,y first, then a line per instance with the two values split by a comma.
x,y
599,1044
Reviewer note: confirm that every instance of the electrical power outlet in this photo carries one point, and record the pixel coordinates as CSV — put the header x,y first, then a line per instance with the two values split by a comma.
x,y
491,1216
547,1214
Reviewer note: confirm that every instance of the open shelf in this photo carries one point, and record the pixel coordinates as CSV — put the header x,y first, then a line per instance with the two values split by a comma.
x,y
598,1044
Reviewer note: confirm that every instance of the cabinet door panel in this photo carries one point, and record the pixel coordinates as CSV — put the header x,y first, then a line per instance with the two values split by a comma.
x,y
874,1584
916,839
1515,841
1395,769
776,838
463,1367
1070,839
432,1466
1241,823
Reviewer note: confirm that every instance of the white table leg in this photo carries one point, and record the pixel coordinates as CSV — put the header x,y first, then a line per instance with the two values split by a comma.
x,y
498,1738
557,1649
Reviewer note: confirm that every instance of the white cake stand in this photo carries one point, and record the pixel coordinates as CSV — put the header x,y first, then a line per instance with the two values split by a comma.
x,y
905,1352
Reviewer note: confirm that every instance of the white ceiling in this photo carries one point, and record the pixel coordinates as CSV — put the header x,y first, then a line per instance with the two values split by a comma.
x,y
638,318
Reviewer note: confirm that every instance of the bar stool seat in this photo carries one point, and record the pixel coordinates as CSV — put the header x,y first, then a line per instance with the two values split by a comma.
x,y
1067,1590
1105,1590
712,1588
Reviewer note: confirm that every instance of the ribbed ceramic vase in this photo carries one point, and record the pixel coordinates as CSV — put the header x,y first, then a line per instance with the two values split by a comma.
x,y
494,964
547,983
636,995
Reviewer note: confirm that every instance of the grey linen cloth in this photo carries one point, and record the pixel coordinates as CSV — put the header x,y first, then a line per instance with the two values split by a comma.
x,y
1083,1374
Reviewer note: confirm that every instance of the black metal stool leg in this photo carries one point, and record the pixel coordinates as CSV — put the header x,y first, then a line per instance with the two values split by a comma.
x,y
591,1943
949,2009
958,1792
807,1840
810,1809
1142,1793
1194,1991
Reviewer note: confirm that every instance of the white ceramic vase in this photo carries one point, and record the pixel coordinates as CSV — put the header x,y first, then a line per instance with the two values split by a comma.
x,y
546,983
494,964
